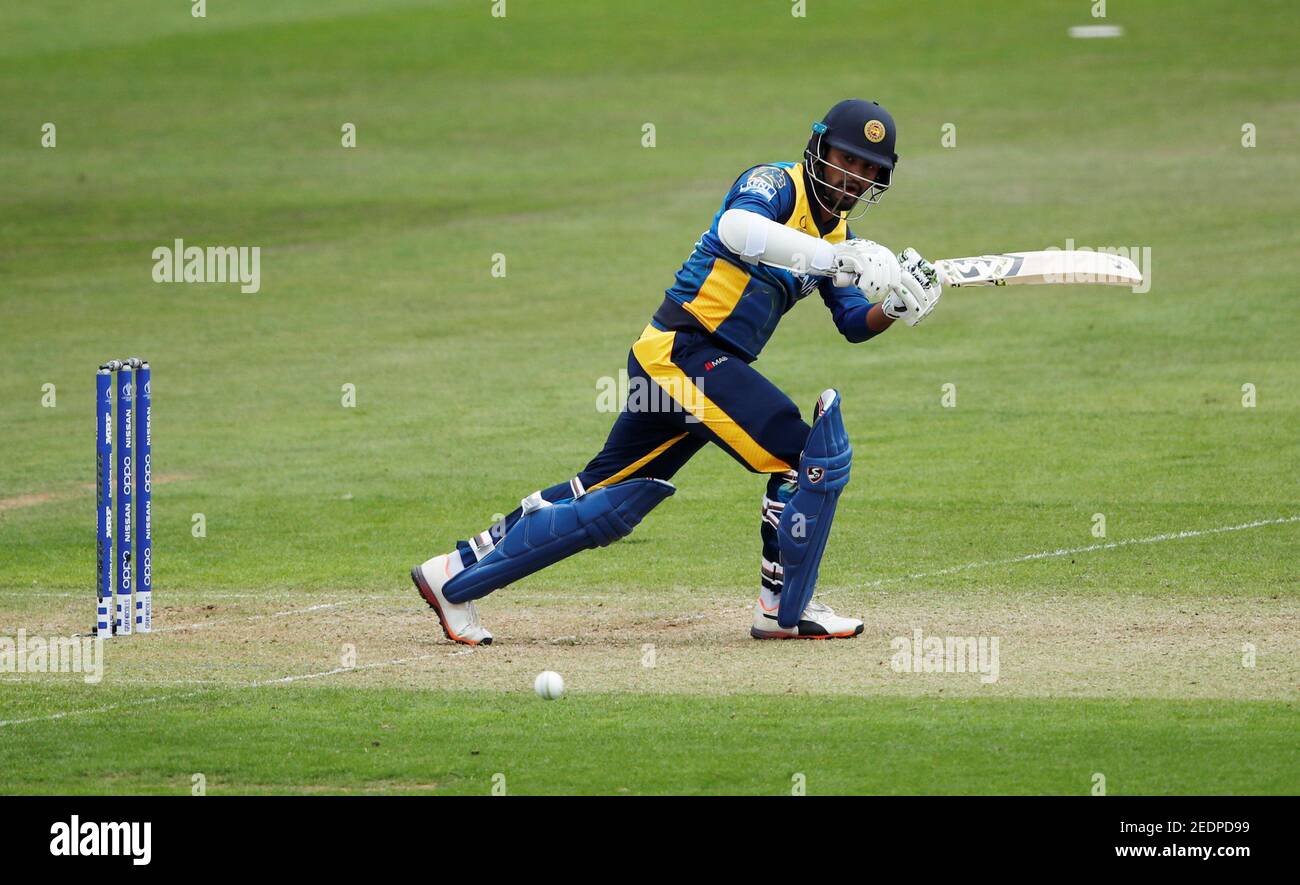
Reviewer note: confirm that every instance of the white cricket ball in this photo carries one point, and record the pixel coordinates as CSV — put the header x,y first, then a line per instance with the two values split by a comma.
x,y
549,685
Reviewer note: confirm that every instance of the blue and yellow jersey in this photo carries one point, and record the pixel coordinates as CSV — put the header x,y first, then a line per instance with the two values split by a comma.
x,y
739,303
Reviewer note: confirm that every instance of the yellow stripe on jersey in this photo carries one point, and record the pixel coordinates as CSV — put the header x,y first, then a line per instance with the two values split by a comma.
x,y
802,217
718,294
654,351
638,463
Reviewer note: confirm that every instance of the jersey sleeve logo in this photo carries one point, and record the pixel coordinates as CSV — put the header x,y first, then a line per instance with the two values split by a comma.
x,y
766,181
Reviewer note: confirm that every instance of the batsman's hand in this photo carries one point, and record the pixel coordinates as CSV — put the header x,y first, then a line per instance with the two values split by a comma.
x,y
918,294
867,265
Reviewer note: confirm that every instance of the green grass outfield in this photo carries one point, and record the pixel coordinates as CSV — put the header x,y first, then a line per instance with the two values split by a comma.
x,y
328,740
523,136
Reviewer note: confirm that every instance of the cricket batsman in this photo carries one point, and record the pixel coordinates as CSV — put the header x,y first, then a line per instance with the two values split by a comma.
x,y
781,233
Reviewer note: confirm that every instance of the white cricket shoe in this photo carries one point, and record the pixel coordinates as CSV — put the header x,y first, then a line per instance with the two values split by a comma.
x,y
816,622
459,621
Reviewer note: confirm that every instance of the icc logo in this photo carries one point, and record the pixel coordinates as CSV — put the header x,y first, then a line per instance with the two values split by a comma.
x,y
126,390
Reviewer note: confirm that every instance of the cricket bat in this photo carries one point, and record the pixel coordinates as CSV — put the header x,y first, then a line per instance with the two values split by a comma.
x,y
1032,268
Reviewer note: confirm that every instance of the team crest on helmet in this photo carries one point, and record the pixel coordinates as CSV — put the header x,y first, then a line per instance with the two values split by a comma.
x,y
874,131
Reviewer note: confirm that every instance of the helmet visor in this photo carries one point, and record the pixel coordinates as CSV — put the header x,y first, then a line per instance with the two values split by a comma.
x,y
855,194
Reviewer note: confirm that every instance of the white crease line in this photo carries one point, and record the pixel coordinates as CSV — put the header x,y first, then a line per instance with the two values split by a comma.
x,y
1070,551
205,625
337,670
261,683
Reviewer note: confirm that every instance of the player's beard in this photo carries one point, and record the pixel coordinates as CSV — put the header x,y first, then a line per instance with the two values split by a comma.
x,y
837,201
844,202
834,199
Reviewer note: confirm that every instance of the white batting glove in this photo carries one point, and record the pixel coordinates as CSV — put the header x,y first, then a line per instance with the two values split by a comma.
x,y
869,266
919,292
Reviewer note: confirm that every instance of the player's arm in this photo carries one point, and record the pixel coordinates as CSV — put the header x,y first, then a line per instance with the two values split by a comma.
x,y
855,316
759,239
877,274
753,226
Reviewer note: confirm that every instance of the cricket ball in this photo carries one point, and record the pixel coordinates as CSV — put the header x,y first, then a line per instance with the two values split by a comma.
x,y
549,685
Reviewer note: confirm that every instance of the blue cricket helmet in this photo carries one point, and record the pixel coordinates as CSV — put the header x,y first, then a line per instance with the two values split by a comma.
x,y
862,129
